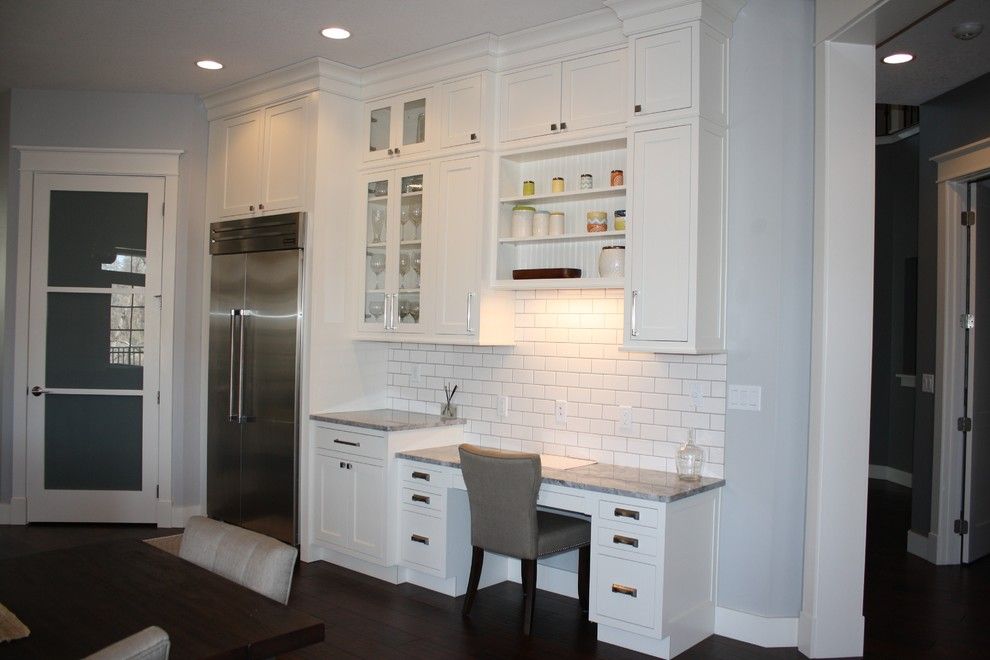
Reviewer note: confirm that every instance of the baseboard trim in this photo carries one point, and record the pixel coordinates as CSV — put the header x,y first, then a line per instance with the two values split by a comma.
x,y
923,546
893,475
769,632
13,512
548,578
182,514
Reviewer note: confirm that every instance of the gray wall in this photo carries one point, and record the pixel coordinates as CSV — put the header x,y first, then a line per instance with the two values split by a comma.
x,y
771,101
159,121
5,440
952,120
896,240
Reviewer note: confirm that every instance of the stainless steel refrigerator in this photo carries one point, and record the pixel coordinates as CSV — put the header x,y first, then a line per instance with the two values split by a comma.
x,y
253,410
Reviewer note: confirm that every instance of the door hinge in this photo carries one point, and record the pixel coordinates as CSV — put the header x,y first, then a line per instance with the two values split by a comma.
x,y
158,397
967,321
964,424
961,527
968,218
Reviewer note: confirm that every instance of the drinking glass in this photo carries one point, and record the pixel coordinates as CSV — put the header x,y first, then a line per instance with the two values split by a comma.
x,y
403,310
376,262
377,224
417,218
404,217
414,310
376,308
417,264
404,264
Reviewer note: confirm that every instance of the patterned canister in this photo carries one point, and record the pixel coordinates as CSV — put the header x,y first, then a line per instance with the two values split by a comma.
x,y
587,182
619,224
617,178
597,221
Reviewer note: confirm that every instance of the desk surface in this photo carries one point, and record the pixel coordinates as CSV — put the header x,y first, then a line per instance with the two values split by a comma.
x,y
386,419
600,477
78,600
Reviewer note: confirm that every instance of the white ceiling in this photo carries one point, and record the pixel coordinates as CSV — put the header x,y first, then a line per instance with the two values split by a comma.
x,y
941,62
152,45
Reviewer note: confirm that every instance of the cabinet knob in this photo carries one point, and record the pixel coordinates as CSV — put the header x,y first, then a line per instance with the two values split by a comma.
x,y
396,151
637,108
474,136
391,151
342,464
251,208
261,207
563,125
553,127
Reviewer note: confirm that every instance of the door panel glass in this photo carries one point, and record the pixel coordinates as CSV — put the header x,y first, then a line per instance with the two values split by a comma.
x,y
410,249
414,122
381,127
92,442
95,340
375,252
97,239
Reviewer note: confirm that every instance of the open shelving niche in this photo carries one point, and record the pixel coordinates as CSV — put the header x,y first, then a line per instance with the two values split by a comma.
x,y
576,248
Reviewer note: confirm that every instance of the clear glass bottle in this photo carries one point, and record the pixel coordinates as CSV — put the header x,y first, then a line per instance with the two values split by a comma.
x,y
690,458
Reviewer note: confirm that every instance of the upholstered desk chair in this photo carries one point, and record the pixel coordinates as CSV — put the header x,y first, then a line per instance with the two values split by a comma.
x,y
149,644
252,560
502,490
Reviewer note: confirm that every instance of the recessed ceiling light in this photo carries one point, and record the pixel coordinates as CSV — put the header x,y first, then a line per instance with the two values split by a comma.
x,y
209,64
898,58
335,33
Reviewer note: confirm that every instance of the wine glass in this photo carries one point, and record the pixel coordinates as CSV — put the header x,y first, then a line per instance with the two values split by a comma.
x,y
404,265
417,218
376,262
403,310
414,310
404,217
377,224
376,308
417,264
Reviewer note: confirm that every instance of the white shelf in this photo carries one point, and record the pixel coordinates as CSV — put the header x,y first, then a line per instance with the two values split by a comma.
x,y
563,238
416,193
411,241
563,283
377,198
593,193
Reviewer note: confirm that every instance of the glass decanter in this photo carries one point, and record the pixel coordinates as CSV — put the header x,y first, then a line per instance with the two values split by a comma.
x,y
690,458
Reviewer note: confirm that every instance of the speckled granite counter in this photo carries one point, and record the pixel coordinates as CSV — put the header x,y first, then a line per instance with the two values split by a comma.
x,y
601,477
385,419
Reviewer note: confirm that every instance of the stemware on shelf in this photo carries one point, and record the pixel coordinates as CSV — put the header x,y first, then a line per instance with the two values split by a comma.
x,y
376,308
404,217
377,224
417,218
376,261
417,264
403,310
414,310
404,265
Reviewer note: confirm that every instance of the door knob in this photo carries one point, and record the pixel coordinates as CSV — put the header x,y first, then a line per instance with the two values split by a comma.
x,y
37,390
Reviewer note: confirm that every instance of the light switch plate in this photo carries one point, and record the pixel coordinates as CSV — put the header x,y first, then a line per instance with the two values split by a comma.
x,y
625,418
503,406
928,383
745,397
560,412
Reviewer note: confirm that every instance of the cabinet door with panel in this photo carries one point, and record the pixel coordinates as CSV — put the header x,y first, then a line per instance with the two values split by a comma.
x,y
460,233
530,102
461,112
593,91
332,510
664,72
368,494
235,153
284,158
398,125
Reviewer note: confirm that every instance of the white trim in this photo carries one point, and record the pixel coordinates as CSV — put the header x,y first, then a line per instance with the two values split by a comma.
x,y
925,547
883,140
768,632
128,162
13,512
893,475
182,514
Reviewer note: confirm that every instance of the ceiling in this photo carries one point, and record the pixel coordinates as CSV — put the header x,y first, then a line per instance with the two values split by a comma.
x,y
941,61
152,45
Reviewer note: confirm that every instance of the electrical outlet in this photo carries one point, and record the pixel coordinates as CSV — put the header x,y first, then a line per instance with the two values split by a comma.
x,y
625,418
416,377
503,406
560,412
745,397
928,383
697,393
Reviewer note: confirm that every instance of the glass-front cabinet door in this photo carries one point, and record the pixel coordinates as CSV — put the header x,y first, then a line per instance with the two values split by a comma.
x,y
396,216
398,125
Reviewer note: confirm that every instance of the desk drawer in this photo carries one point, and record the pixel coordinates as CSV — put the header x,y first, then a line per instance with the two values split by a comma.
x,y
626,591
347,442
419,474
422,499
635,542
632,514
568,500
421,540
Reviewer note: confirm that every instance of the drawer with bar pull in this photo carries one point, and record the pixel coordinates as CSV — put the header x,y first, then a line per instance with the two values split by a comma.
x,y
418,475
421,540
348,442
422,499
632,514
626,541
626,591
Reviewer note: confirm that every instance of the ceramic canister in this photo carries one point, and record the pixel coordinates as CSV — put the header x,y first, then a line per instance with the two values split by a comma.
x,y
522,221
597,221
556,223
541,223
612,261
557,184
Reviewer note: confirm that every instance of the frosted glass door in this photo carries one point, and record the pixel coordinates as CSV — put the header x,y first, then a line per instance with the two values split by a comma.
x,y
93,354
376,257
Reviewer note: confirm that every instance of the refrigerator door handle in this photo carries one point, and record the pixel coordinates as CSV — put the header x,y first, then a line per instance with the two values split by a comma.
x,y
240,369
230,404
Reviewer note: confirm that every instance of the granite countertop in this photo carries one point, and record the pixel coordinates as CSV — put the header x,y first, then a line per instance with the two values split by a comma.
x,y
602,477
385,419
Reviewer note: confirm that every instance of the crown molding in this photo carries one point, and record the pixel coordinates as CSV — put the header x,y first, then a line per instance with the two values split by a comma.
x,y
577,35
639,16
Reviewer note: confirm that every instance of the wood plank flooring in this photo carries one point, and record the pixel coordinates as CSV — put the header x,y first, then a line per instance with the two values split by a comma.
x,y
913,609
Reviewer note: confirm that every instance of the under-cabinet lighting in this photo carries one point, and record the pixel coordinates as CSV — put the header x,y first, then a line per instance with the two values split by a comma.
x,y
212,65
898,58
335,33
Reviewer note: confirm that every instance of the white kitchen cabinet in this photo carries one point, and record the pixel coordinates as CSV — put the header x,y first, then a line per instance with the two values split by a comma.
x,y
258,160
350,503
675,295
576,94
399,125
462,115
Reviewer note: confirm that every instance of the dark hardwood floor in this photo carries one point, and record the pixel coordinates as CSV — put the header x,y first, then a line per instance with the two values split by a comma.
x,y
913,609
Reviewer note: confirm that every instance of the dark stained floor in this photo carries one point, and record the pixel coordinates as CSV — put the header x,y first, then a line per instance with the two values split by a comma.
x,y
913,609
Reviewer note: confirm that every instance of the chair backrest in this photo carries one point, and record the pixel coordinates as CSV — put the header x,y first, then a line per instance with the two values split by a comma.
x,y
502,489
253,560
149,644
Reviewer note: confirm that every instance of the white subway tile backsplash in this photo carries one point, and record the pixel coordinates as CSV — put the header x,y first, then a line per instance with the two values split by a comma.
x,y
567,348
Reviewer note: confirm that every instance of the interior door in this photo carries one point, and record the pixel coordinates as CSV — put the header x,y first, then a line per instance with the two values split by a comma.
x,y
92,422
976,543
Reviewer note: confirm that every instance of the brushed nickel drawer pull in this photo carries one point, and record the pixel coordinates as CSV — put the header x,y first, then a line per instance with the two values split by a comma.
x,y
349,444
421,475
626,513
421,498
625,591
425,540
625,540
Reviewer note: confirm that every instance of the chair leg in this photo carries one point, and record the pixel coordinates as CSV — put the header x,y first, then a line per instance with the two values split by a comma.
x,y
524,578
477,560
529,571
584,575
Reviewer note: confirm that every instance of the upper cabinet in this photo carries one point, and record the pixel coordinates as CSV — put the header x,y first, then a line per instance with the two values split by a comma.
x,y
258,160
399,125
573,95
462,115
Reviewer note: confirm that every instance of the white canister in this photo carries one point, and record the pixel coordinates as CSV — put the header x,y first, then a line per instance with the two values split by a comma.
x,y
556,223
612,261
541,223
522,221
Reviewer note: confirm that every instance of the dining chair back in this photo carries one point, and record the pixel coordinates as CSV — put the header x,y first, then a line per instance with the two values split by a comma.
x,y
152,643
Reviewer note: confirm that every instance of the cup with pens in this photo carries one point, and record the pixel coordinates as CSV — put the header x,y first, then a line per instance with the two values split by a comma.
x,y
449,410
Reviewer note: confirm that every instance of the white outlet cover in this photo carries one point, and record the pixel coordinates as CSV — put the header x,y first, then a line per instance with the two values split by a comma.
x,y
417,375
503,406
560,411
625,418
